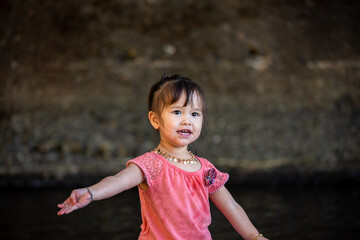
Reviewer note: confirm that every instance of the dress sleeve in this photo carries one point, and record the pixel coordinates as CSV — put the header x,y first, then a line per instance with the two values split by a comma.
x,y
150,165
214,179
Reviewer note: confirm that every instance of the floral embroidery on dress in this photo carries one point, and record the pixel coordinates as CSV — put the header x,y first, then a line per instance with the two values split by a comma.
x,y
210,177
213,178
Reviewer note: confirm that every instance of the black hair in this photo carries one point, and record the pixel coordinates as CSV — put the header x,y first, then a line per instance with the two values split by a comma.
x,y
169,89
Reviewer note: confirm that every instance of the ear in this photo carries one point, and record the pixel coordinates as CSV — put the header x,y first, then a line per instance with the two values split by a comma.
x,y
154,120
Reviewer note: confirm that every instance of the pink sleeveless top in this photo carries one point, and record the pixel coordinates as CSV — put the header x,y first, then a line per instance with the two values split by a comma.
x,y
176,204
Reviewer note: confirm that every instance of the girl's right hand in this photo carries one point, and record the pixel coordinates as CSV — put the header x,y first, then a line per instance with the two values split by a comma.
x,y
79,198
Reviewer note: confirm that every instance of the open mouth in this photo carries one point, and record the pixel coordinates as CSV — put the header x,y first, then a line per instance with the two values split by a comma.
x,y
185,132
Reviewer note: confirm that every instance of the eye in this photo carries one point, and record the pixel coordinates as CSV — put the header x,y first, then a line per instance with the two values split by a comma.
x,y
177,112
195,114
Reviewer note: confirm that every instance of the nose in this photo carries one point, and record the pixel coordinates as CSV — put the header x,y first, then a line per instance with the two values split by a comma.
x,y
185,122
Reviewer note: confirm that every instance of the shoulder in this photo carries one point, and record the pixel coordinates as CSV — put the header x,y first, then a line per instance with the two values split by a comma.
x,y
149,160
206,163
145,156
150,164
214,179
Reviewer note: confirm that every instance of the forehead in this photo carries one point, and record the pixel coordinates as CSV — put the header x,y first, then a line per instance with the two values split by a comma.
x,y
194,101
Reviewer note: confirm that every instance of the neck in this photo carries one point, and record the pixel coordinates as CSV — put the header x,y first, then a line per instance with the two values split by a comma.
x,y
171,158
176,151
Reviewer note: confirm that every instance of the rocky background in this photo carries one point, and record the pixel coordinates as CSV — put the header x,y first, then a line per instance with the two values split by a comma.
x,y
282,80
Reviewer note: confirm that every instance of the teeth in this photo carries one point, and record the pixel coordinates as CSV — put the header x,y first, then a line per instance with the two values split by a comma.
x,y
184,131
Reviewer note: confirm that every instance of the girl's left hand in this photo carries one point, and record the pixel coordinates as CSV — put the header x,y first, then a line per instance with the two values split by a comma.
x,y
79,198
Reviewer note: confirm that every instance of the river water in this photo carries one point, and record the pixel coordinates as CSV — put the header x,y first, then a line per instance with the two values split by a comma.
x,y
291,214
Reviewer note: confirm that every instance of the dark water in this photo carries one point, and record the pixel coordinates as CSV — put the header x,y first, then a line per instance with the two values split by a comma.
x,y
279,214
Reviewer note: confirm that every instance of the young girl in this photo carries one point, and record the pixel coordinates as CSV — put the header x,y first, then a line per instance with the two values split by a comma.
x,y
174,185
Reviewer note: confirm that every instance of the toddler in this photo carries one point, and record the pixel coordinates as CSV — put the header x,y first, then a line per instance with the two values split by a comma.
x,y
174,185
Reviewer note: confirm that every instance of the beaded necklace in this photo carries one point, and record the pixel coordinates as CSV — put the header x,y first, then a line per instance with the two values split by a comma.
x,y
191,160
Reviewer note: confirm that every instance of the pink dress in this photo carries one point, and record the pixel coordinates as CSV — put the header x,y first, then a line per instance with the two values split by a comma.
x,y
176,204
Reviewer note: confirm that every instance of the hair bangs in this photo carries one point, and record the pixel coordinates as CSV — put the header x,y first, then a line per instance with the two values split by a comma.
x,y
170,89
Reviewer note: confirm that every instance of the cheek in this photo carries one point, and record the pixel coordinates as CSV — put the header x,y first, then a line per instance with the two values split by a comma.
x,y
198,128
167,127
199,123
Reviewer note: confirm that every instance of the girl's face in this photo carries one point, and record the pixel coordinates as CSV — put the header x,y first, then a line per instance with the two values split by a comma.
x,y
179,125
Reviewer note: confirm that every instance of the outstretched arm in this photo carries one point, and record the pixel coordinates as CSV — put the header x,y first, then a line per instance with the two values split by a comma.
x,y
235,214
106,188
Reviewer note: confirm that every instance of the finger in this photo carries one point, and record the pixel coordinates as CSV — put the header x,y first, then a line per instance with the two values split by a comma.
x,y
71,209
63,207
61,212
67,209
64,211
66,202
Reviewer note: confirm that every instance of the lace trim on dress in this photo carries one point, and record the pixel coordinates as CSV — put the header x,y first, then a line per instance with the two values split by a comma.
x,y
150,165
220,181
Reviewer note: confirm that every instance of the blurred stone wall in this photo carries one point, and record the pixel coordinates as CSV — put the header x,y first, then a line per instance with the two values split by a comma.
x,y
282,80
